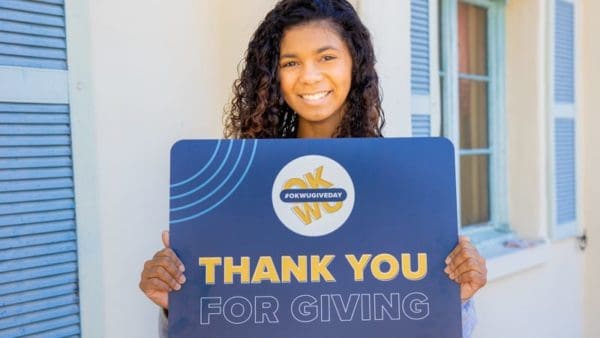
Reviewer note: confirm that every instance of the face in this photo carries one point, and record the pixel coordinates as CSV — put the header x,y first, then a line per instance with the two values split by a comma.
x,y
315,73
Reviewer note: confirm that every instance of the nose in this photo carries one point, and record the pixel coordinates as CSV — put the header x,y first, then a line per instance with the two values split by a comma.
x,y
311,73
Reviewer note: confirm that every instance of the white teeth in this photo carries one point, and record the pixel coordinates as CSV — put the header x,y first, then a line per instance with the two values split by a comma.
x,y
315,96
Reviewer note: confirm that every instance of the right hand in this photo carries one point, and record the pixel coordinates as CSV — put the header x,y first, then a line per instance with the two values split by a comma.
x,y
162,274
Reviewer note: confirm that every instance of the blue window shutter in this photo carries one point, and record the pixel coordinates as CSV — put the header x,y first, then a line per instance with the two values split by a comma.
x,y
32,34
420,68
38,241
564,126
421,125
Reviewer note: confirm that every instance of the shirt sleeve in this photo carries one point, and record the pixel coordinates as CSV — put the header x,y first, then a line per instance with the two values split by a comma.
x,y
163,324
469,318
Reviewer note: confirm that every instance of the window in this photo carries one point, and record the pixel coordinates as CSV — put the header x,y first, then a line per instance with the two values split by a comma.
x,y
472,95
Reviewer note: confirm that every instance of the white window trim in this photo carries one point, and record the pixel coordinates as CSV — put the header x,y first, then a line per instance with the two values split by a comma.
x,y
498,169
507,262
502,261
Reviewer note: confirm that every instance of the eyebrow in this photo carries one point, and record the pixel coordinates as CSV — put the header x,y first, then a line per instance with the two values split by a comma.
x,y
320,50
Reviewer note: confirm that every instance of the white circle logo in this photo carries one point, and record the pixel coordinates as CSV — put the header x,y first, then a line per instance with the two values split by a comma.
x,y
313,195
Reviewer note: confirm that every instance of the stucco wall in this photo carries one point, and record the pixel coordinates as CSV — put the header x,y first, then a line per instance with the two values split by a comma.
x,y
590,121
143,75
545,300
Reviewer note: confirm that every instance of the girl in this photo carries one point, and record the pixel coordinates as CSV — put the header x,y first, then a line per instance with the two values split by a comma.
x,y
309,73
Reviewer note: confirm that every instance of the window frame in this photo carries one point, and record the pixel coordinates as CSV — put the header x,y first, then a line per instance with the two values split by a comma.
x,y
449,110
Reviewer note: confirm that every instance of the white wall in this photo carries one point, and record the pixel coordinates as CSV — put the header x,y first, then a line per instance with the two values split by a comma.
x,y
144,74
526,116
544,301
389,24
590,121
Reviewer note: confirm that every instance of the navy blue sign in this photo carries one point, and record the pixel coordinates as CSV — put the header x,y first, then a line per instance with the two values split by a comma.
x,y
314,238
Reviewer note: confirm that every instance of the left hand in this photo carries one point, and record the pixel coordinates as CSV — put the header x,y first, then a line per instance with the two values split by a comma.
x,y
466,267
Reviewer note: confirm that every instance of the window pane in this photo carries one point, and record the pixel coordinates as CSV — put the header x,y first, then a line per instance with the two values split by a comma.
x,y
472,39
474,189
473,114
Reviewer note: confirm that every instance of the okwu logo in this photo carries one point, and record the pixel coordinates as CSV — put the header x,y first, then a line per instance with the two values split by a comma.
x,y
313,195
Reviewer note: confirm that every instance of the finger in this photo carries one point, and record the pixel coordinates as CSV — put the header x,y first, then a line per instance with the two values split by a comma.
x,y
465,252
475,279
161,273
168,252
462,240
463,244
456,257
167,263
165,239
154,284
463,255
470,264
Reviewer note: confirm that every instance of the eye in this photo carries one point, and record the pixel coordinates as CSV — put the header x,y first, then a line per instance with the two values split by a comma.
x,y
289,64
328,57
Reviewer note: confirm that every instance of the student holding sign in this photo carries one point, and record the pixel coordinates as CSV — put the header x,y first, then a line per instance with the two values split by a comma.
x,y
309,73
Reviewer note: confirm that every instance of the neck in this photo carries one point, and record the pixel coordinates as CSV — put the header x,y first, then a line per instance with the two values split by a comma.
x,y
310,130
319,129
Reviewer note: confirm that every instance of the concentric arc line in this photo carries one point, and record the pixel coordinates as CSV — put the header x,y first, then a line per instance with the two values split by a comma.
x,y
237,162
226,196
209,179
174,185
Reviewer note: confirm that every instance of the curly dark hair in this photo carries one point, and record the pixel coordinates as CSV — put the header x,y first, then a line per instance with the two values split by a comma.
x,y
257,109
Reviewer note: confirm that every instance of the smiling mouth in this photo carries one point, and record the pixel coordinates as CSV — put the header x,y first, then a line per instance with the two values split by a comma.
x,y
314,97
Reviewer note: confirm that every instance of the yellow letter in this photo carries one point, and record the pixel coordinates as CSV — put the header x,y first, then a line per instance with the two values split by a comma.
x,y
289,267
318,268
421,267
210,263
376,267
308,214
230,269
294,182
317,181
332,208
265,270
358,266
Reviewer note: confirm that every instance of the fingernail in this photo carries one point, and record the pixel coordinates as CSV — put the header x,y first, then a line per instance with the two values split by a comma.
x,y
446,270
177,287
181,268
452,276
182,279
447,260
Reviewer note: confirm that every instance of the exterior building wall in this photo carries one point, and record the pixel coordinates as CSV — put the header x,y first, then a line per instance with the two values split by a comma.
x,y
140,80
389,23
544,300
526,116
590,121
145,74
